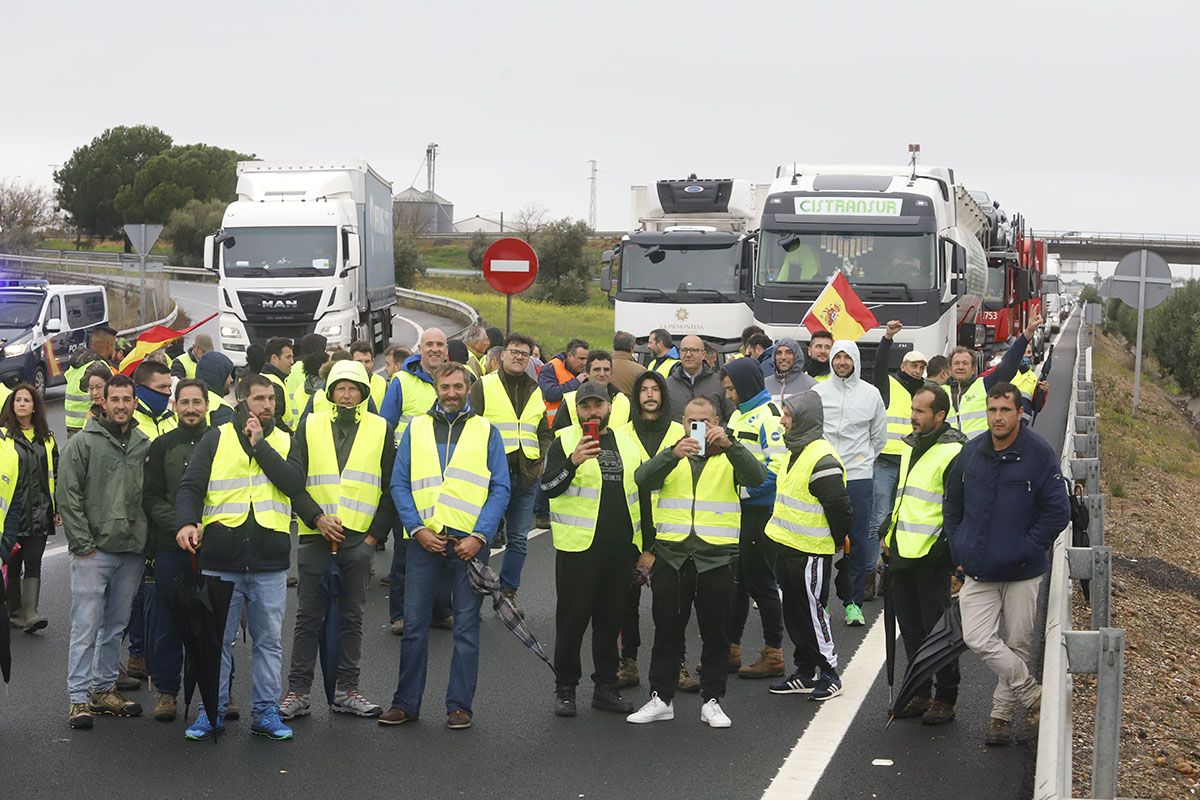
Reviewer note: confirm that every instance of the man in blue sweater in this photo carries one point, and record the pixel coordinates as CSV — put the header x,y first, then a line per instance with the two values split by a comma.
x,y
1005,505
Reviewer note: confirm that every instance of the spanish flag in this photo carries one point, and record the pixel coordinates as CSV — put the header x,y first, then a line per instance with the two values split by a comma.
x,y
838,310
152,339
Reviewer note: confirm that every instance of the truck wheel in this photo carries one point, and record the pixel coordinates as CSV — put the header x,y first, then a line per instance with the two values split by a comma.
x,y
39,380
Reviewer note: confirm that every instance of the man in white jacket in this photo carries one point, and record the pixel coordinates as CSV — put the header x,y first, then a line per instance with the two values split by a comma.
x,y
856,426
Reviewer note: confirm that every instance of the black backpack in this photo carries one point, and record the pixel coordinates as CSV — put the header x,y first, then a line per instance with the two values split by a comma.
x,y
1080,519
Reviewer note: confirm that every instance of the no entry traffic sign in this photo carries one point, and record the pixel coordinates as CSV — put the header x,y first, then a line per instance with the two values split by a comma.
x,y
510,265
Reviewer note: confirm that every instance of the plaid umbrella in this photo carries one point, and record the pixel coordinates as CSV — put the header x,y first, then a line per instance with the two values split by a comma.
x,y
329,646
486,582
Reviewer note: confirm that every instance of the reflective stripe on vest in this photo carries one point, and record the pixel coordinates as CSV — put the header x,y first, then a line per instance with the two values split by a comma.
x,y
798,520
454,497
618,416
971,415
917,514
516,432
417,398
716,519
353,493
574,513
77,402
749,429
899,418
237,484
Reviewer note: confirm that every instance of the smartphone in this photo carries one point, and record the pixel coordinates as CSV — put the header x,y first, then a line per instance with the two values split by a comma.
x,y
699,429
592,428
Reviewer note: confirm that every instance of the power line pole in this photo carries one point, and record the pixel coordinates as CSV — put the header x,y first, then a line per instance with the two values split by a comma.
x,y
430,161
592,203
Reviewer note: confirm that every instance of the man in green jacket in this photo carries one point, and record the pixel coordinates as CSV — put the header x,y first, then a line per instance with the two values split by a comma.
x,y
99,494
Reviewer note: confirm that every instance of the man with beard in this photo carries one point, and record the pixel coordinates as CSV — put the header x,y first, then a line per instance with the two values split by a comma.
x,y
968,394
819,347
789,377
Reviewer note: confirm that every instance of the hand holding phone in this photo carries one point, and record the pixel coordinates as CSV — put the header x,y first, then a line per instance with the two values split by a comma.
x,y
591,429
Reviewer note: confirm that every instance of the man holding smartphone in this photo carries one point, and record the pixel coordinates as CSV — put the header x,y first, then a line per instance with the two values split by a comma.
x,y
595,519
697,522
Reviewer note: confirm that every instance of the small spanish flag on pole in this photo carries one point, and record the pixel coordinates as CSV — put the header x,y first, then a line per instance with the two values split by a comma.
x,y
51,359
151,340
838,310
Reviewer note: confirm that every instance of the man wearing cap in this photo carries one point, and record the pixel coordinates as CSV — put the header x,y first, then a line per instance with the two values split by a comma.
x,y
347,456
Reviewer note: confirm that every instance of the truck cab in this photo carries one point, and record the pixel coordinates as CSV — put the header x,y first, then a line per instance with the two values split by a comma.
x,y
41,325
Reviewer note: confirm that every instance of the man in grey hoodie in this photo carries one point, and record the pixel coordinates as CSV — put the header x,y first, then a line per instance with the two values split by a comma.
x,y
789,377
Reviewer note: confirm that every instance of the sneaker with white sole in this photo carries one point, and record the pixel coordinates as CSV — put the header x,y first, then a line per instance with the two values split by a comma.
x,y
830,685
712,715
353,702
796,683
655,710
294,705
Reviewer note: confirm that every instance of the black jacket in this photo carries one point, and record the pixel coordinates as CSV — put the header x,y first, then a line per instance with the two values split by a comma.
x,y
249,547
37,517
165,466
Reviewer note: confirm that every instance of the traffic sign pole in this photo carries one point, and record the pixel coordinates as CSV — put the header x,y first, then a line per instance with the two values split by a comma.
x,y
1152,276
507,314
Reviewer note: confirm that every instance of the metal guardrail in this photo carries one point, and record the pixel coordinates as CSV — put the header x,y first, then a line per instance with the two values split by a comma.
x,y
448,306
1098,651
1084,237
167,320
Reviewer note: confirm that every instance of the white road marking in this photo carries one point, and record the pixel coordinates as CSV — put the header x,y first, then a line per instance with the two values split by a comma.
x,y
420,330
55,551
814,751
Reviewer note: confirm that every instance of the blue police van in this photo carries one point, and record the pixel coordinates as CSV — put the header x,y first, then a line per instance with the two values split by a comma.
x,y
42,325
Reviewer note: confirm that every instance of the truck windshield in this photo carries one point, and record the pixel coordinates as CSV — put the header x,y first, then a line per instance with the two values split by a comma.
x,y
280,252
790,257
995,287
681,268
19,311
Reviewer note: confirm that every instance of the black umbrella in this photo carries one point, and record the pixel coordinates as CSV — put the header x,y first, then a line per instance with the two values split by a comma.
x,y
329,646
199,607
1042,375
486,582
149,617
841,578
6,634
889,630
941,647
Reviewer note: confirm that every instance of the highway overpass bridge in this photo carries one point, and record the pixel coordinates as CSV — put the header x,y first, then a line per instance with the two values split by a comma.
x,y
1108,246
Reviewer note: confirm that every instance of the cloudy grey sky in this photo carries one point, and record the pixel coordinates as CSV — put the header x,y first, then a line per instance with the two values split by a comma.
x,y
1081,115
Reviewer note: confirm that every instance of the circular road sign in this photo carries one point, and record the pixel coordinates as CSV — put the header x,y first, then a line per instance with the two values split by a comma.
x,y
1123,285
510,265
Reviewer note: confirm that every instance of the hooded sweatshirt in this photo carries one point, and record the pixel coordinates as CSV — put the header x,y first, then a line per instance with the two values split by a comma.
x,y
783,385
855,416
214,369
650,432
826,483
747,381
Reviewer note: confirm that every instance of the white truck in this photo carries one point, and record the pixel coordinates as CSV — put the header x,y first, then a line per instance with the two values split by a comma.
x,y
686,266
910,241
306,247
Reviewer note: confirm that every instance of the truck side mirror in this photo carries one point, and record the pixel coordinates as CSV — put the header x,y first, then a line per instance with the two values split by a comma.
x,y
606,278
210,253
960,261
350,255
606,257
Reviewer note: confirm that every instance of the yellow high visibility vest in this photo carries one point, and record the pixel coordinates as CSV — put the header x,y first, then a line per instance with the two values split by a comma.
x,y
573,514
917,514
617,417
716,519
454,497
417,396
378,389
747,429
215,401
77,402
10,467
674,433
971,415
1027,382
275,379
189,364
665,366
351,494
49,445
152,427
798,520
899,418
517,432
237,484
297,398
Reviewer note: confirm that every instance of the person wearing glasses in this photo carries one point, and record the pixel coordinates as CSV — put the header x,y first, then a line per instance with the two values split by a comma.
x,y
510,400
692,377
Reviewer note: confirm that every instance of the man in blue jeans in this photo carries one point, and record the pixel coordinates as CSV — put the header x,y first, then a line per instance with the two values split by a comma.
x,y
235,497
450,486
512,402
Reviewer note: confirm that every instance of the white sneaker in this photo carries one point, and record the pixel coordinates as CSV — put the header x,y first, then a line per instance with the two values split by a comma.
x,y
655,710
712,715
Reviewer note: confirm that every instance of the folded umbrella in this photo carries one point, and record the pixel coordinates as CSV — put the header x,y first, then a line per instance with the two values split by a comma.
x,y
329,646
149,616
941,647
889,630
486,582
199,606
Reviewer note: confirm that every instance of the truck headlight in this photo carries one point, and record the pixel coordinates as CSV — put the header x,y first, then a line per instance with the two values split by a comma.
x,y
331,330
17,348
230,332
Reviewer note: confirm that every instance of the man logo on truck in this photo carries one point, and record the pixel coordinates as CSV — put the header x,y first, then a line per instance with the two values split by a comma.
x,y
268,303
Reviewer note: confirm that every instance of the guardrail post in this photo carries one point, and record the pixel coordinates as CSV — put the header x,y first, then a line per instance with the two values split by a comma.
x,y
1106,749
1094,564
1085,408
1085,424
1087,445
1088,471
1095,507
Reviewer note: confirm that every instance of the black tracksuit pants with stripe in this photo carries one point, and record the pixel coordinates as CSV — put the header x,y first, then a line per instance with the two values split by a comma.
x,y
805,580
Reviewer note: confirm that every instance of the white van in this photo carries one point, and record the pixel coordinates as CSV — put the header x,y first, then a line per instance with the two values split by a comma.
x,y
41,325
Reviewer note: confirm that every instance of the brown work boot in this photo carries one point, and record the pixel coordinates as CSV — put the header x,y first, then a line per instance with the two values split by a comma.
x,y
769,665
136,667
231,710
164,709
396,626
78,717
458,719
627,674
126,682
687,683
940,712
1033,717
914,708
735,657
292,581
395,716
114,704
999,733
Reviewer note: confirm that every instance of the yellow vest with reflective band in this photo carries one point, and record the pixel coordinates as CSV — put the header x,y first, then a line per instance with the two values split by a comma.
x,y
155,428
798,520
297,398
971,415
215,401
378,389
823,378
237,484
517,432
716,518
5,392
748,428
674,433
452,498
49,445
573,514
899,418
418,397
1027,382
10,467
665,366
351,494
189,364
917,515
617,416
77,402
275,379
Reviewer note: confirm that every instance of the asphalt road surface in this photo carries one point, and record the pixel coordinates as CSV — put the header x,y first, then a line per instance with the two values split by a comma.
x,y
779,746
